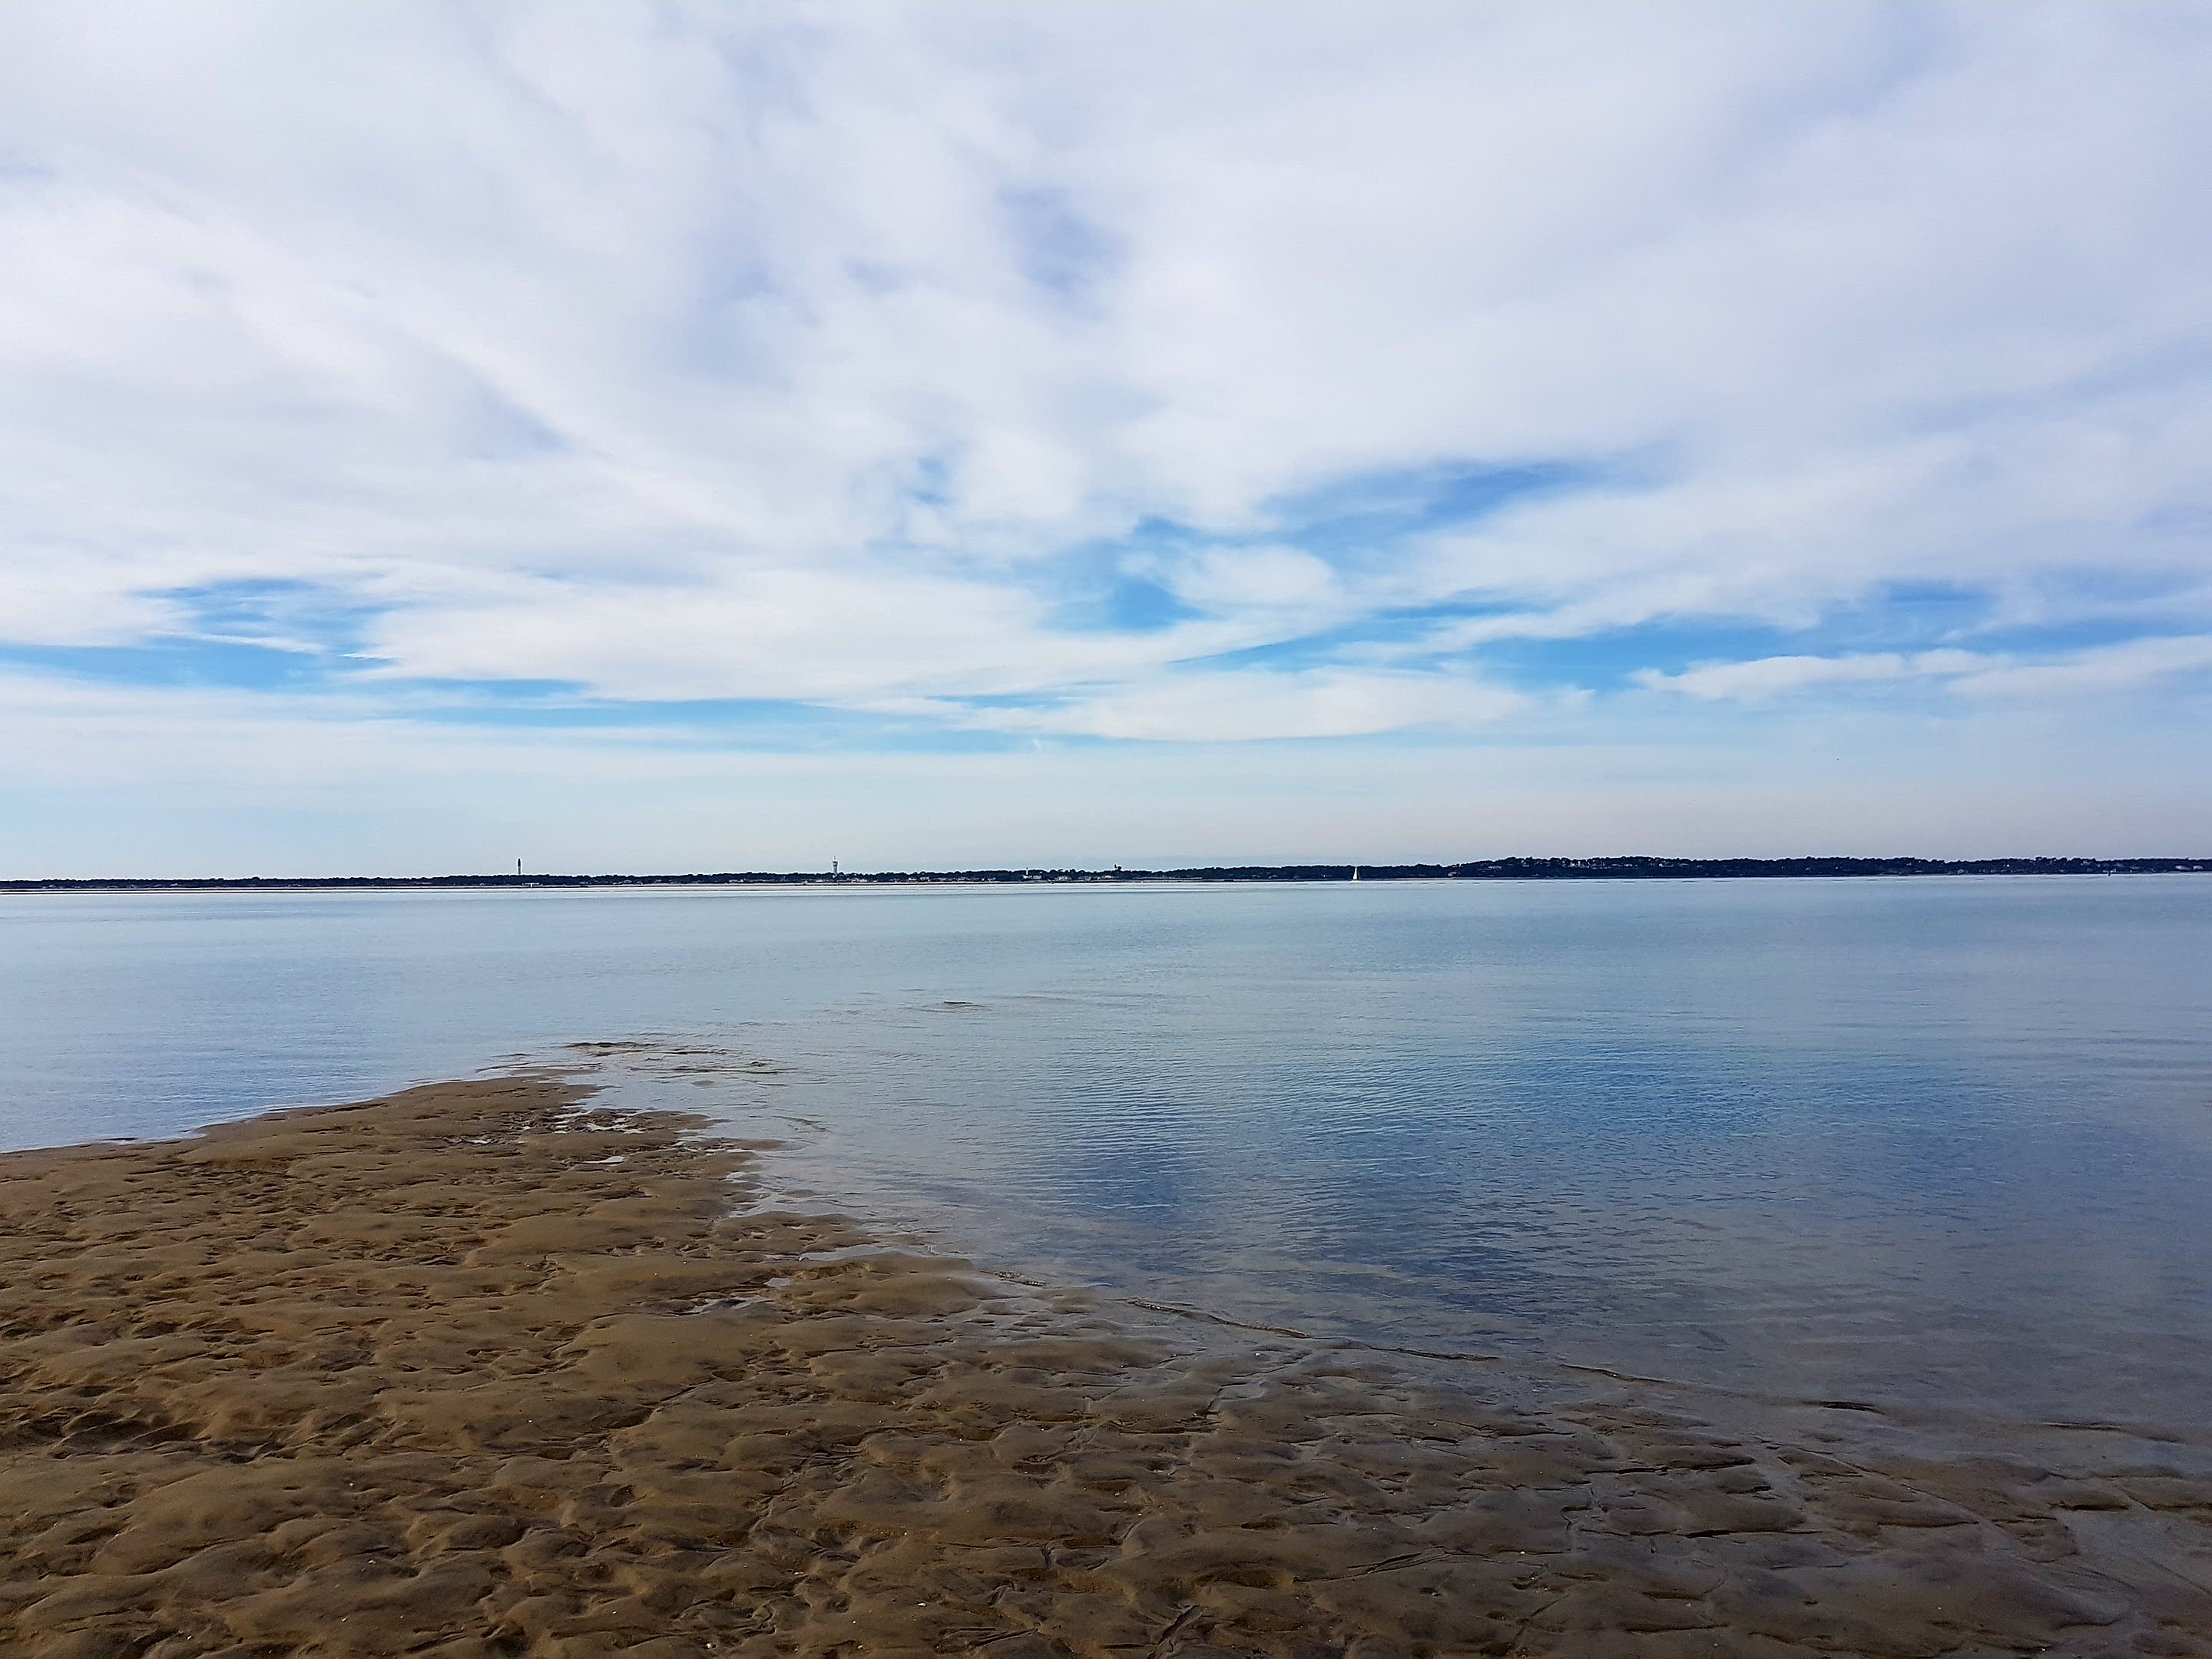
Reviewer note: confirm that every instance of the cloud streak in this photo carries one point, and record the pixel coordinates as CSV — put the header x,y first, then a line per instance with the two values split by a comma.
x,y
2109,669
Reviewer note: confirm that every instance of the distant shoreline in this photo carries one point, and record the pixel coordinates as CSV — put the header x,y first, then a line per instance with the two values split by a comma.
x,y
1510,869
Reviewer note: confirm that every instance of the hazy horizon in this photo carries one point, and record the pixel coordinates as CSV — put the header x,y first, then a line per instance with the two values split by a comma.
x,y
704,437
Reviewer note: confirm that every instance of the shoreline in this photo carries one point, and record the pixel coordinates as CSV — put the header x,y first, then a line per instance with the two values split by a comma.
x,y
1625,868
484,1367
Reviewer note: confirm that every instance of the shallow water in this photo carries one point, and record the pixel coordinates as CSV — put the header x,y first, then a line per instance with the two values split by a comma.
x,y
1935,1144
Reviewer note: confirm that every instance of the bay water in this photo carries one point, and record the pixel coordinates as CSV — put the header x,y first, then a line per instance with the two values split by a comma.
x,y
1933,1143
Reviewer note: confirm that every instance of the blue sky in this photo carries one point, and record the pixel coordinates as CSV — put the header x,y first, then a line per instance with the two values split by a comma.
x,y
728,437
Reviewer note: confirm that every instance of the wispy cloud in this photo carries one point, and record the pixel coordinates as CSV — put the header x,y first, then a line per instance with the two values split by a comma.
x,y
1768,676
2112,668
1245,705
2109,669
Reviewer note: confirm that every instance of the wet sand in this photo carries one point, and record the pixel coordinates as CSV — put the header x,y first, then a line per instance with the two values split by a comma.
x,y
482,1370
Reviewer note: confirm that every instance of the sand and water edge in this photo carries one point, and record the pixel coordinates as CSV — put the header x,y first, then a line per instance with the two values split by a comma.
x,y
488,1368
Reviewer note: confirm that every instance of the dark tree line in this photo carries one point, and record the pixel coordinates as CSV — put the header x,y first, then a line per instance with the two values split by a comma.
x,y
1511,869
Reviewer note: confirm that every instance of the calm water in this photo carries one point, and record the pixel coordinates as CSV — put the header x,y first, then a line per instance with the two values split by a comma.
x,y
1947,1143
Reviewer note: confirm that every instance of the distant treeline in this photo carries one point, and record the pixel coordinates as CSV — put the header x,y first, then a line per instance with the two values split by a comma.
x,y
1599,869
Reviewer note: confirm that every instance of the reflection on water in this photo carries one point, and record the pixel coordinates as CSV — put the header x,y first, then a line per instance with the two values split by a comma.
x,y
1941,1143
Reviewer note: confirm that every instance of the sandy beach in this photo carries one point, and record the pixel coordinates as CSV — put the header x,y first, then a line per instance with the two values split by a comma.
x,y
481,1368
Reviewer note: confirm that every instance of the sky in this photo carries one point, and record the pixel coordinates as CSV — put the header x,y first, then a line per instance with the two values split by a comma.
x,y
661,438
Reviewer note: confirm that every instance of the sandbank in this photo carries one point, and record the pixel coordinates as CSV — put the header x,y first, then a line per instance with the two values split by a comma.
x,y
483,1369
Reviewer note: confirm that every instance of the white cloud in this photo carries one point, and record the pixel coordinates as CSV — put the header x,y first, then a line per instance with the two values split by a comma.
x,y
831,354
1767,677
1255,578
1239,706
2107,668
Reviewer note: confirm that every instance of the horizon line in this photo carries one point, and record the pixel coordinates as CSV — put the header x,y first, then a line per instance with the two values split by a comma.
x,y
1613,867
